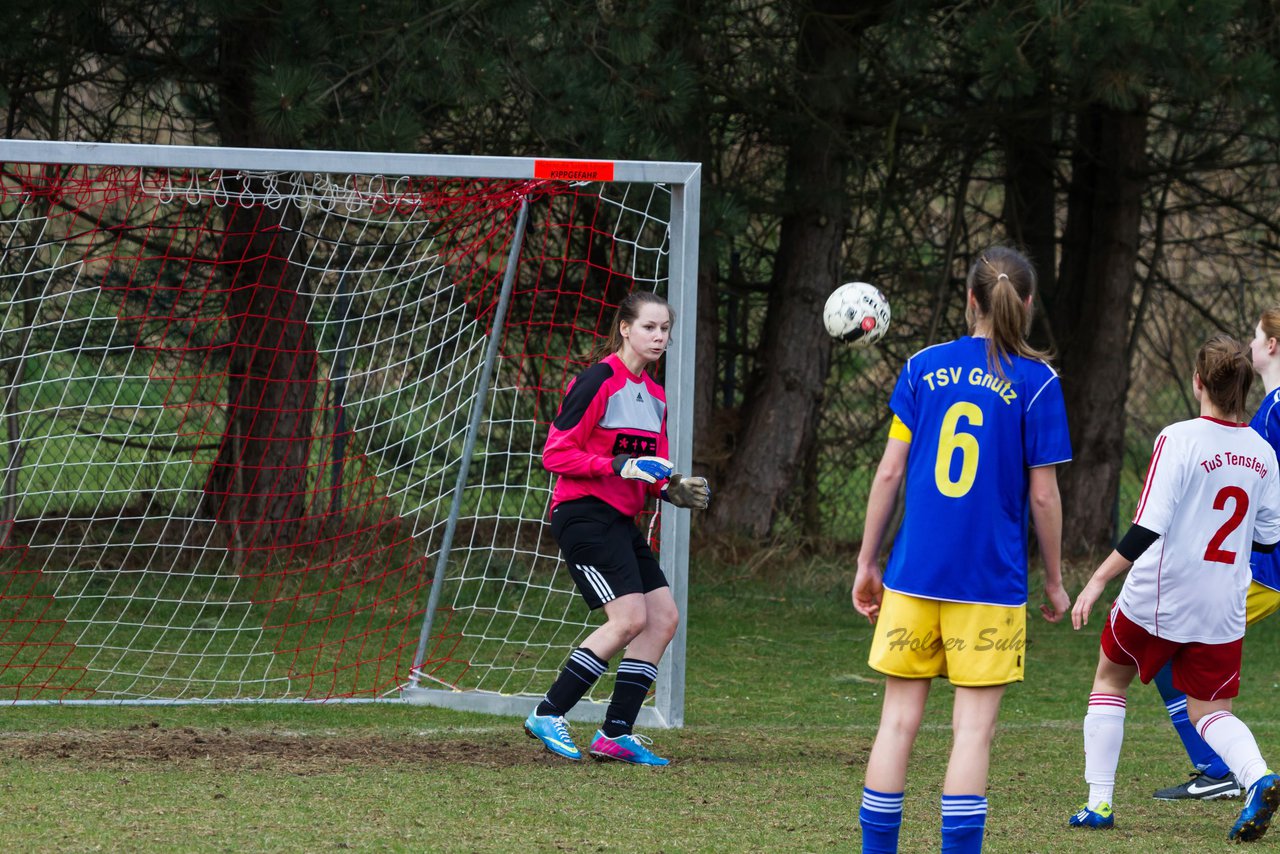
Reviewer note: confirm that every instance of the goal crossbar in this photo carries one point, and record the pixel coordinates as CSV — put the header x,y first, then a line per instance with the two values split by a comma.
x,y
686,175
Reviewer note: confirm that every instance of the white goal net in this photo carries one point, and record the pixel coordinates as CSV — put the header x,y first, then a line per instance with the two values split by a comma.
x,y
273,420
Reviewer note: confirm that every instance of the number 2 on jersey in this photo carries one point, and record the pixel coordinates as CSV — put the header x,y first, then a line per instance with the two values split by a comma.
x,y
950,440
1240,506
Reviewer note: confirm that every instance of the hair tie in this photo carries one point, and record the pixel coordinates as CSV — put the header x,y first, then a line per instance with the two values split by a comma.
x,y
999,275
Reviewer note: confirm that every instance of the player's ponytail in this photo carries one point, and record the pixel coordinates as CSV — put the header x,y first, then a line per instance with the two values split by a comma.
x,y
1003,283
1226,373
628,311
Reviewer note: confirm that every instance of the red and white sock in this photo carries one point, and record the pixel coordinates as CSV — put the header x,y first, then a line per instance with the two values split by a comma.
x,y
1231,740
1103,735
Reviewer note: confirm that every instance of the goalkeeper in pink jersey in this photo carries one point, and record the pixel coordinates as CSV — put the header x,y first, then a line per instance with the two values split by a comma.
x,y
1212,492
608,448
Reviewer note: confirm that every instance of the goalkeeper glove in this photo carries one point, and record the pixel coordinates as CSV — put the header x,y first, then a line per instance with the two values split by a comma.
x,y
648,469
685,491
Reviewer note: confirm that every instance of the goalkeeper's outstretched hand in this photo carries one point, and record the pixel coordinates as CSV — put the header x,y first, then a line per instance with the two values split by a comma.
x,y
648,469
685,491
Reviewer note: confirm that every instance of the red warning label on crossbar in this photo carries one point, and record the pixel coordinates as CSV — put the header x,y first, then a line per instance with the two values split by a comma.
x,y
573,170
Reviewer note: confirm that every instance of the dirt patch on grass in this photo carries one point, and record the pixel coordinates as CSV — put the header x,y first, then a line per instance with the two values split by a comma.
x,y
297,753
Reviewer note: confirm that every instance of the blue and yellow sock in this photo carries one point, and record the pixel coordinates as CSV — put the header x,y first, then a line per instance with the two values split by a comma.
x,y
1175,703
964,818
881,819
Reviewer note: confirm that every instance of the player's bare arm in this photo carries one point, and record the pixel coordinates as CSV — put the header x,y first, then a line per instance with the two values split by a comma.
x,y
1114,565
867,585
1046,512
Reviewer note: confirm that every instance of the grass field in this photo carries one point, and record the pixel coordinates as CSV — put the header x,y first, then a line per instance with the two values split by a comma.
x,y
781,712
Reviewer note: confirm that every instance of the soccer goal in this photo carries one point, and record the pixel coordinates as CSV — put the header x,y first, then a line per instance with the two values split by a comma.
x,y
272,420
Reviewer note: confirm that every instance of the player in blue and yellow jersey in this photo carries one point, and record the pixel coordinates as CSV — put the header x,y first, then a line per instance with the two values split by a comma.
x,y
1212,779
979,426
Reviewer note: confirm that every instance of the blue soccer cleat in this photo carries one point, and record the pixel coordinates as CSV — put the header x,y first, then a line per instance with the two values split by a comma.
x,y
1102,818
553,732
1259,807
626,748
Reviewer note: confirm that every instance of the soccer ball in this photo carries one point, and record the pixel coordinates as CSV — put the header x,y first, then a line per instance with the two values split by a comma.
x,y
857,313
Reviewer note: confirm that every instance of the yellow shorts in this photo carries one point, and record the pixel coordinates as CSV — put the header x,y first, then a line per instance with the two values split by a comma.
x,y
1261,603
972,645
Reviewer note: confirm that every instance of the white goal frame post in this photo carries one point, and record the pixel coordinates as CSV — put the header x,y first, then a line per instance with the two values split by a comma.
x,y
666,707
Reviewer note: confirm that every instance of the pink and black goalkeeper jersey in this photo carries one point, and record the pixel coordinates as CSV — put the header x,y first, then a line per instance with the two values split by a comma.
x,y
607,411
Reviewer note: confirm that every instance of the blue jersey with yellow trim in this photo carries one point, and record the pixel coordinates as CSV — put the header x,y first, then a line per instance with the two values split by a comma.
x,y
1266,567
974,435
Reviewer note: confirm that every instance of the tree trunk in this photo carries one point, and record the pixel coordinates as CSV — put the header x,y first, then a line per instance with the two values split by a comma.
x,y
1090,310
693,142
1031,193
259,481
708,441
780,413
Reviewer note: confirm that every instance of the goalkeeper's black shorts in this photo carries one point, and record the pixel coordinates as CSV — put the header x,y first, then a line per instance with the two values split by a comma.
x,y
607,555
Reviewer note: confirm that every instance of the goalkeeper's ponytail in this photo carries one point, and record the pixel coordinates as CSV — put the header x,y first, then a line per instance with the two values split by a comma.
x,y
628,311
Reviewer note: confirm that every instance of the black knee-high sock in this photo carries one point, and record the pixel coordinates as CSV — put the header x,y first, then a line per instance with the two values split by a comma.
x,y
580,672
634,679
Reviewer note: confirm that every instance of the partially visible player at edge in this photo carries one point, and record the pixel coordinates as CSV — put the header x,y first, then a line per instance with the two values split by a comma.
x,y
979,426
1211,492
608,448
1212,779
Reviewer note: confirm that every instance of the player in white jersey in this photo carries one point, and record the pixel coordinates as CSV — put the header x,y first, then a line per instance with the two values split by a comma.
x,y
1212,779
1212,492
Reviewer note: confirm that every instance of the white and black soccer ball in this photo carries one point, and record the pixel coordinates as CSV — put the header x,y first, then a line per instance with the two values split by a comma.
x,y
856,313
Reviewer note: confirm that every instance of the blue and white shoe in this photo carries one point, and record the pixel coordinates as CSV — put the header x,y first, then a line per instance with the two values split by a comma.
x,y
1259,807
626,748
553,732
1101,818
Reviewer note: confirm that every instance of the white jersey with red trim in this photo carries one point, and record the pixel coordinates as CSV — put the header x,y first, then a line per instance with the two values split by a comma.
x,y
1211,492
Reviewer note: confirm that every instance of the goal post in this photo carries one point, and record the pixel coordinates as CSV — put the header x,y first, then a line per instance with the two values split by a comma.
x,y
272,419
